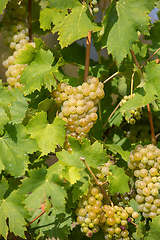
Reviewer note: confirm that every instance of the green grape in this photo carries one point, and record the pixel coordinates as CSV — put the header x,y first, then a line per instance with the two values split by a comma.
x,y
95,9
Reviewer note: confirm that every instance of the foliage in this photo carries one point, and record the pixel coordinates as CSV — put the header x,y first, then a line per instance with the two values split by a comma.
x,y
38,200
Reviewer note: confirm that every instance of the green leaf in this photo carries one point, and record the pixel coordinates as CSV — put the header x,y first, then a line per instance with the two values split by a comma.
x,y
74,174
80,188
45,186
154,37
18,107
148,91
154,231
117,149
3,5
60,4
44,222
14,147
141,230
3,187
49,16
94,154
135,14
47,136
25,56
6,99
35,75
118,181
12,209
75,26
61,227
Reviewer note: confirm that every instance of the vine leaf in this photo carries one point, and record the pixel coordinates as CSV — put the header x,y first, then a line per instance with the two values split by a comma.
x,y
60,4
15,144
61,227
117,149
41,184
70,30
51,15
118,182
3,187
6,99
149,91
135,13
154,231
94,154
11,208
47,136
35,75
3,5
18,107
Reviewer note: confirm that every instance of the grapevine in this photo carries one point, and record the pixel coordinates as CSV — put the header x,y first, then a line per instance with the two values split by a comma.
x,y
79,129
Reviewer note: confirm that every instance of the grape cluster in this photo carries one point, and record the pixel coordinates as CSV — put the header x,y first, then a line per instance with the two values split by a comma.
x,y
145,161
15,35
135,114
92,214
79,106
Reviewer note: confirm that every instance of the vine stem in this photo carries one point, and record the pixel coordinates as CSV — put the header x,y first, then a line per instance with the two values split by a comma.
x,y
87,58
36,218
115,74
107,198
150,57
29,19
153,137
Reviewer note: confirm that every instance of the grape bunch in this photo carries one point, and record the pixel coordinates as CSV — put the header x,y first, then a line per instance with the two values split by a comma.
x,y
145,162
135,114
79,106
92,214
15,35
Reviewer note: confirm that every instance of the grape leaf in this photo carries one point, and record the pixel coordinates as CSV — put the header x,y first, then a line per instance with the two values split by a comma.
x,y
25,56
148,91
18,107
45,186
34,76
14,147
70,28
117,149
3,187
61,227
48,16
61,4
6,99
47,136
44,222
154,37
80,188
118,181
4,120
154,231
141,230
135,14
3,5
12,209
94,154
